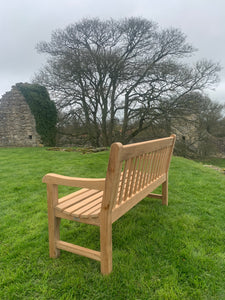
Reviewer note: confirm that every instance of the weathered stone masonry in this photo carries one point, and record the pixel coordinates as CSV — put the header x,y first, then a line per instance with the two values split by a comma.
x,y
17,124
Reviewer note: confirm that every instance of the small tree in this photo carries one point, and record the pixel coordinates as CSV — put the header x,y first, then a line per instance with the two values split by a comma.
x,y
125,70
43,110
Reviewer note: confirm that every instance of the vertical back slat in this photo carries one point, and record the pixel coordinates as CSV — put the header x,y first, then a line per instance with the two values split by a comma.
x,y
146,169
139,172
148,180
136,175
159,163
149,168
154,163
165,159
127,185
123,182
133,176
130,175
143,170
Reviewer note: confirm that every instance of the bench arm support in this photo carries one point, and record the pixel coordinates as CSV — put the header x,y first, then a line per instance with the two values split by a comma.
x,y
96,184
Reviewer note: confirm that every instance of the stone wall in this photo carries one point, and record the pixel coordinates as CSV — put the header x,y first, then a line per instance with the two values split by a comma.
x,y
187,134
17,124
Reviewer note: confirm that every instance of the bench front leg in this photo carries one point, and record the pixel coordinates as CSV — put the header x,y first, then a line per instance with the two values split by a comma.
x,y
53,221
106,243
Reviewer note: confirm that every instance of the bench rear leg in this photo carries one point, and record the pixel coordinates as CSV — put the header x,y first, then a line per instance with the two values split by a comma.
x,y
106,247
165,192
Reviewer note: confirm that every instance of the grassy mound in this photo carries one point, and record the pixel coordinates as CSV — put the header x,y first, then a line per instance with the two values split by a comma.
x,y
174,252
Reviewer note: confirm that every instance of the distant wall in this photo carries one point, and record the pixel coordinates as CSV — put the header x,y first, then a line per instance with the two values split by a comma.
x,y
17,124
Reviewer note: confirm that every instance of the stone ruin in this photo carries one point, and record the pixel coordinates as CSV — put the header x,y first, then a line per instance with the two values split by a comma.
x,y
17,123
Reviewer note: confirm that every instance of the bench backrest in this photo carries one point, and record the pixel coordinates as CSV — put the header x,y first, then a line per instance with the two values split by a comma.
x,y
133,168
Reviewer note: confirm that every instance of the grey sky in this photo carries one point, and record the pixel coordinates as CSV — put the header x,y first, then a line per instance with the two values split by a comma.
x,y
23,23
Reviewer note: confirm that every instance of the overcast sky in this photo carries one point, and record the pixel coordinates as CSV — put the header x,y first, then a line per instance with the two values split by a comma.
x,y
24,23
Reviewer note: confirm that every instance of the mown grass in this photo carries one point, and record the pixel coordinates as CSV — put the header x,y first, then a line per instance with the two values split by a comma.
x,y
174,252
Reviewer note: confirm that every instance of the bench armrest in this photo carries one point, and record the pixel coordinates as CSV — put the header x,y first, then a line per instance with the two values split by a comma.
x,y
97,184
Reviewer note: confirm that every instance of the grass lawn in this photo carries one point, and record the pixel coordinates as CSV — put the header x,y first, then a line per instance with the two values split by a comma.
x,y
174,252
219,162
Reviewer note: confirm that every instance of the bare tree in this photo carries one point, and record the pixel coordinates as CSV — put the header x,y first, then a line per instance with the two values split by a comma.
x,y
127,70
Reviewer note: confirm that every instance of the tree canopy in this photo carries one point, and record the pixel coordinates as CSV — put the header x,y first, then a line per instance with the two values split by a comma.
x,y
120,77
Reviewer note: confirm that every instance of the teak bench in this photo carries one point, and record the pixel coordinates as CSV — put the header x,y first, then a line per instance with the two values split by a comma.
x,y
134,171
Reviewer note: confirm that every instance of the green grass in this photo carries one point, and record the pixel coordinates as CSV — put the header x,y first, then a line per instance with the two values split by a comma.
x,y
174,252
219,162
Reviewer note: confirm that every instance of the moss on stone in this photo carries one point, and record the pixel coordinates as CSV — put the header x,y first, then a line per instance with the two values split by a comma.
x,y
43,110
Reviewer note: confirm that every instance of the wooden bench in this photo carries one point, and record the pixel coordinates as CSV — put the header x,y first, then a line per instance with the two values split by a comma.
x,y
134,171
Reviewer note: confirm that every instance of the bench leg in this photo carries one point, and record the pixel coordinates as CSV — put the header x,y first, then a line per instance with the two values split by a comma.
x,y
165,193
106,247
53,221
53,232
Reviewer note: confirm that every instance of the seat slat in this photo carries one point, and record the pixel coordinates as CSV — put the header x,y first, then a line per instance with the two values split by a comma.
x,y
77,199
72,195
84,209
92,212
79,209
82,203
